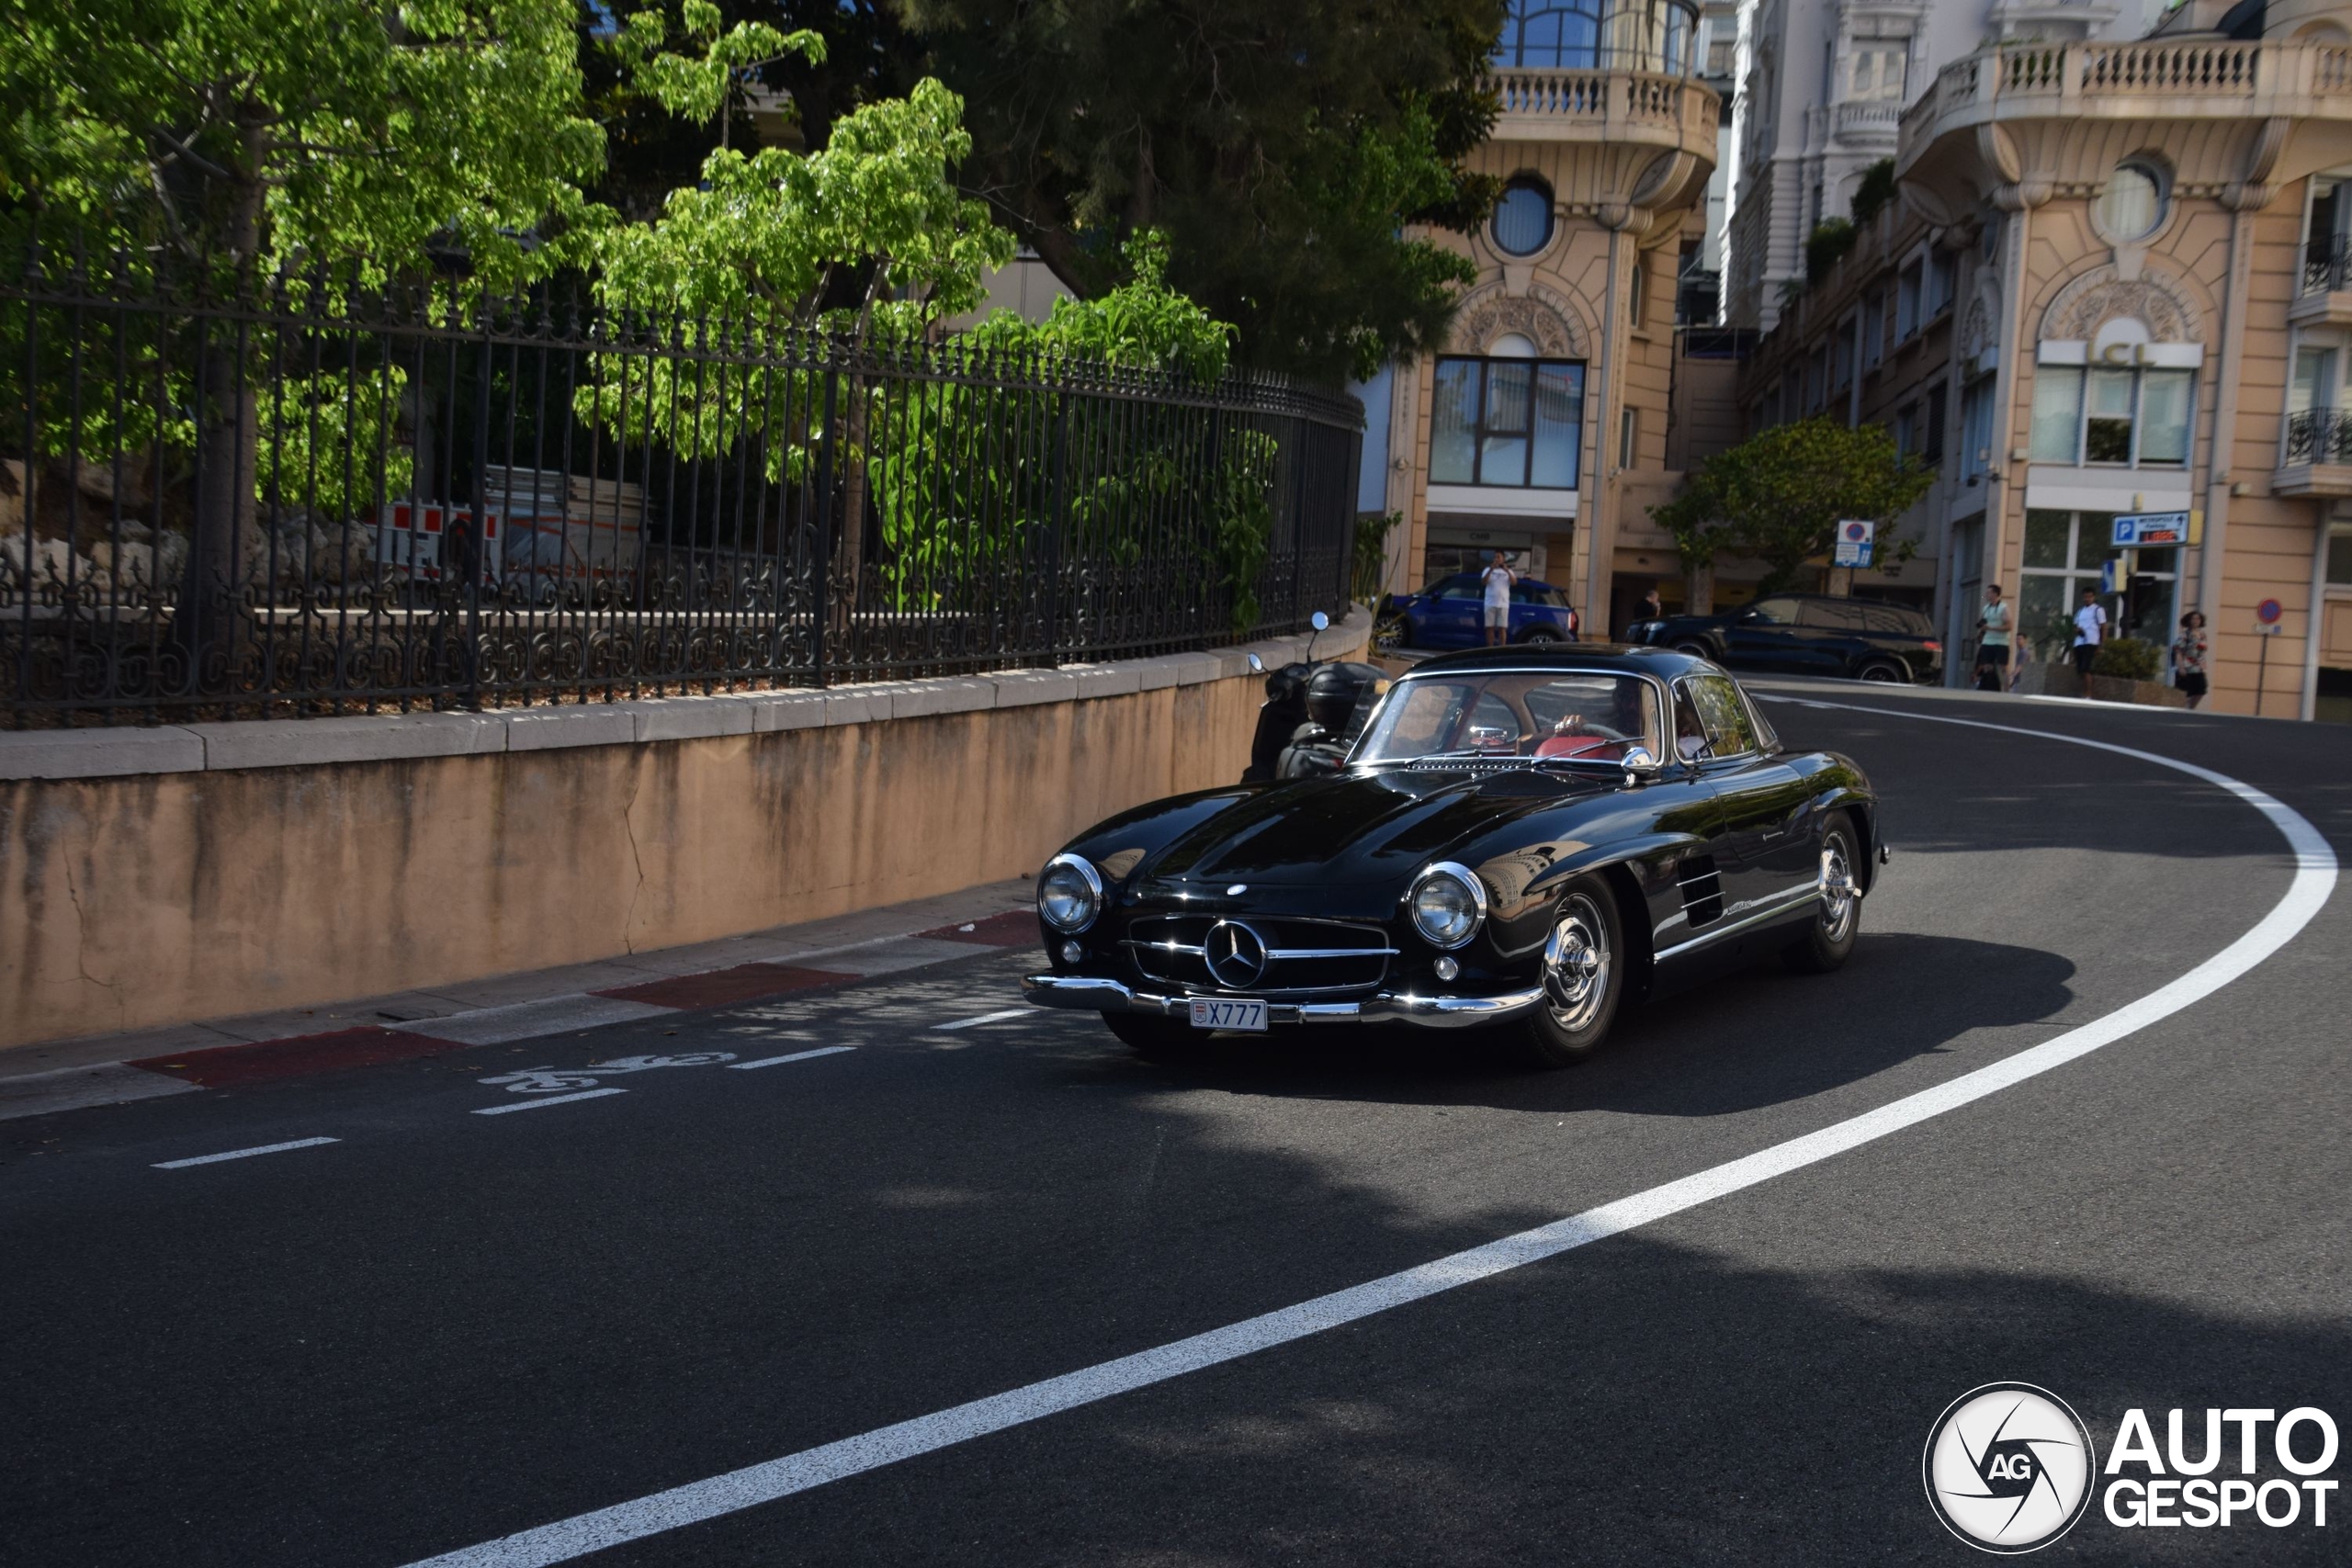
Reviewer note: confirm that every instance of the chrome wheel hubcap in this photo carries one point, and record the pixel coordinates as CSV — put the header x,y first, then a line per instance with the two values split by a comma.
x,y
1576,965
1838,893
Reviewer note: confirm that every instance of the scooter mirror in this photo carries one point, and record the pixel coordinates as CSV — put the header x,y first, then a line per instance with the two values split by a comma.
x,y
1319,621
1257,665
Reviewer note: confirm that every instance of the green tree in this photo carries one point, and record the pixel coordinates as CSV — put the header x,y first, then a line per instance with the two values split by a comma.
x,y
1282,148
1779,496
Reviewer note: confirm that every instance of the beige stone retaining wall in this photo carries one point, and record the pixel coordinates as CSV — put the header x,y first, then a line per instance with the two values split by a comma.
x,y
167,875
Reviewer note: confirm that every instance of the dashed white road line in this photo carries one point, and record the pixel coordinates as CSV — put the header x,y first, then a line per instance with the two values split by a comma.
x,y
244,1153
795,1056
545,1099
985,1018
2315,879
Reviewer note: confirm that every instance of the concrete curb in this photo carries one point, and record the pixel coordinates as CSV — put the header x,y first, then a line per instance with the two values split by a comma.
x,y
39,1080
390,737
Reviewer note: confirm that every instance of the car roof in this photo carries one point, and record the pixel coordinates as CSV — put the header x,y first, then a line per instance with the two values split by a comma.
x,y
1663,662
1472,577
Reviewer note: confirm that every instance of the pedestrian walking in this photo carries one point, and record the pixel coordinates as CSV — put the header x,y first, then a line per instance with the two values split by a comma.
x,y
2188,658
2090,630
1498,580
1995,623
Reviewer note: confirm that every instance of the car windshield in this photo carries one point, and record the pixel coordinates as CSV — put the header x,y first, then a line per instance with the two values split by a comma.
x,y
1540,715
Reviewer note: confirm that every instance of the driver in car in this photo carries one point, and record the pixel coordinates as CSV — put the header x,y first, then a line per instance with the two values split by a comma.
x,y
1574,735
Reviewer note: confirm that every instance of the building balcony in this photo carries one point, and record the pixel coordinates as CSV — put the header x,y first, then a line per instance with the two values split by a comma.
x,y
2324,292
2152,79
1867,125
2316,460
1640,108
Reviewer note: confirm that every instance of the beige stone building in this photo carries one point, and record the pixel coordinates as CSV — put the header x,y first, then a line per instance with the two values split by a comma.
x,y
2114,286
1545,428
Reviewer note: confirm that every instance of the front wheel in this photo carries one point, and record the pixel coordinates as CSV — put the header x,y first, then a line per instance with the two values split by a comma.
x,y
1881,673
1583,974
1829,936
1157,1039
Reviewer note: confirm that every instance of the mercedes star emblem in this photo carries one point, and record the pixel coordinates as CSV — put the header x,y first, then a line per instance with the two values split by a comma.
x,y
1236,955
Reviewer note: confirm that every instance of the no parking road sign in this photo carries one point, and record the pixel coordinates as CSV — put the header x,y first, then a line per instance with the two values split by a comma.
x,y
1854,537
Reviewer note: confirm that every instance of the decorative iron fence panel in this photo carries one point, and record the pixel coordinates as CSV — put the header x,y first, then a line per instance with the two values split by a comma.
x,y
323,501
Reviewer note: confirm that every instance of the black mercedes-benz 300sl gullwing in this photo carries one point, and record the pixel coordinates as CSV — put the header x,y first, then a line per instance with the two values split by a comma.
x,y
1521,840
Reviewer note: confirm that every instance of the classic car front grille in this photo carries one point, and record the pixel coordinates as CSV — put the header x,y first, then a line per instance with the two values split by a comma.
x,y
1702,890
1304,958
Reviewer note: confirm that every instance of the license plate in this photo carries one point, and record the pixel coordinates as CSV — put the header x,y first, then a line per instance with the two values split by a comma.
x,y
1221,1012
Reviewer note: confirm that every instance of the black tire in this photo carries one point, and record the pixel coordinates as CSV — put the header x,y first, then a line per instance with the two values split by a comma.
x,y
1583,972
1390,633
1539,635
1159,1039
1878,672
1829,937
1695,648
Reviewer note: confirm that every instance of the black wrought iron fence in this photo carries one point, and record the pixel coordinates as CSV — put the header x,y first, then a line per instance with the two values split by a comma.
x,y
2325,261
323,499
2319,435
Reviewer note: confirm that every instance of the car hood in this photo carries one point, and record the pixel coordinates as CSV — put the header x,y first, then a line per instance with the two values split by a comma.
x,y
1363,827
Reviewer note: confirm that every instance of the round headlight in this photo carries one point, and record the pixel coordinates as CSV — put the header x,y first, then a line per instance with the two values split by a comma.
x,y
1449,902
1070,894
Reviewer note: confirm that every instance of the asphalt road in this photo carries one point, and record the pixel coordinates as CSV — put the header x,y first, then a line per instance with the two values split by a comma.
x,y
445,1327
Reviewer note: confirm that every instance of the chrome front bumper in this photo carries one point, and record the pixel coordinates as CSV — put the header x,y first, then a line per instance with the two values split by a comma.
x,y
1092,995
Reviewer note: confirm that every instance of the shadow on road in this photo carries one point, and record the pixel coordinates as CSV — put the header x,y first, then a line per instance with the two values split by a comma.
x,y
1753,1038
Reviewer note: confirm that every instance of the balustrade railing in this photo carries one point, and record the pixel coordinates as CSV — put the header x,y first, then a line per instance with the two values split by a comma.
x,y
2318,436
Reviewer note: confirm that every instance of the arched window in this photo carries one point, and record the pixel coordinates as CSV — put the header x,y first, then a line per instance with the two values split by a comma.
x,y
1522,223
1552,36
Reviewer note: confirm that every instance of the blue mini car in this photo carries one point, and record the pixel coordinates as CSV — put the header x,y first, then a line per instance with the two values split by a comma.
x,y
1451,613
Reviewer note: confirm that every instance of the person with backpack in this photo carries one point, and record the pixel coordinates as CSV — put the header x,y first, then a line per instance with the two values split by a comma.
x,y
2090,630
1994,624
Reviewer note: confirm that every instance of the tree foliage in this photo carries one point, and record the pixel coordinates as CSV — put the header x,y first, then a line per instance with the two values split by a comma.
x,y
260,131
1282,148
1779,496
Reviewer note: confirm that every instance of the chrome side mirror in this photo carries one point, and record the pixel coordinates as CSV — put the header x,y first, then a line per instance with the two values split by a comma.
x,y
1319,621
1639,765
1257,665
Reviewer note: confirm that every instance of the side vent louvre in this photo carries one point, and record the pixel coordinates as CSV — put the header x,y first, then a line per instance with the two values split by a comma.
x,y
1702,890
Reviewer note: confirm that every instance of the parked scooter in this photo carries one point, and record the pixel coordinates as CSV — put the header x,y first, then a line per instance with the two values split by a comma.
x,y
1311,716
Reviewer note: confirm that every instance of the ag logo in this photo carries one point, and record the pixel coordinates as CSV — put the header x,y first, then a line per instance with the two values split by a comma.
x,y
2008,1468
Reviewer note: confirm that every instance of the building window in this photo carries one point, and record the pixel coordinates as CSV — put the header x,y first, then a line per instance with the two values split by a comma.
x,y
1942,276
2110,414
2316,433
2132,207
1843,367
1522,223
1515,423
1877,73
1907,430
1931,438
1907,302
1976,428
1572,35
1629,436
1638,292
2339,558
1873,328
2066,552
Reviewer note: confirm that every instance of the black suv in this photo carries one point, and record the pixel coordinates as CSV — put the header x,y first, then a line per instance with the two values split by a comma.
x,y
1808,634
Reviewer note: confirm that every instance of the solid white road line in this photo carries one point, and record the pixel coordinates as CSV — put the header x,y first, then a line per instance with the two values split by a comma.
x,y
796,1057
566,1538
244,1153
545,1099
985,1018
